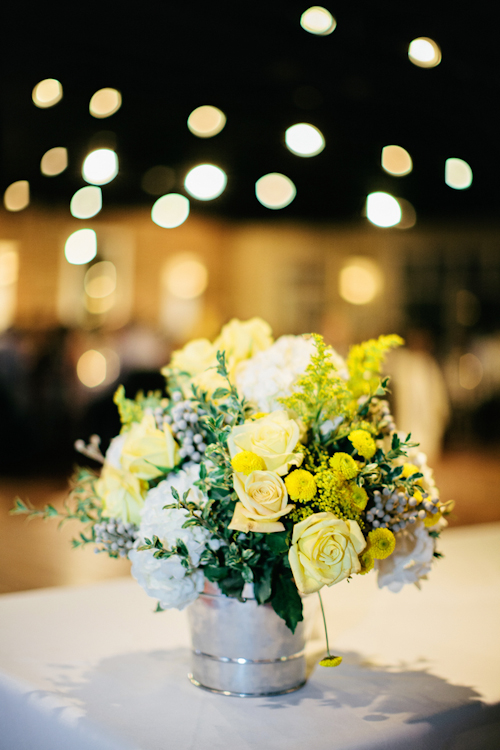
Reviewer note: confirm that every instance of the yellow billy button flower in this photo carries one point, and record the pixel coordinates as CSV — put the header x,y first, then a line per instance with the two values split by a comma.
x,y
367,562
330,661
359,498
246,462
363,442
381,543
301,485
408,470
259,415
345,465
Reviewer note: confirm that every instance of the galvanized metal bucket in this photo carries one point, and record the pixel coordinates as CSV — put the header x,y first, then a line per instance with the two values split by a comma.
x,y
243,648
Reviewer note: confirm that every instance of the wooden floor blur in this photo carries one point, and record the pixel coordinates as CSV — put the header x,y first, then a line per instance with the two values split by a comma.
x,y
36,554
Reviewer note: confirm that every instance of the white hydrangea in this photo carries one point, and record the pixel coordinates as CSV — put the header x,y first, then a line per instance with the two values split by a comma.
x,y
166,579
271,374
410,561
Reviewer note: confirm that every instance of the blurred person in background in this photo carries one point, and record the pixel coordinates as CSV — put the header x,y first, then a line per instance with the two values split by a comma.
x,y
419,393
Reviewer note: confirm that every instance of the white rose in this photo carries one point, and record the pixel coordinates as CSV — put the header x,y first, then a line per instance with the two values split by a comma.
x,y
273,438
411,560
263,500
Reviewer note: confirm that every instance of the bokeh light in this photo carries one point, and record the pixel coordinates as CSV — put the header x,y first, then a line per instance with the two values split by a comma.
x,y
318,20
17,196
105,103
457,174
424,52
185,276
54,161
158,180
304,139
206,121
275,190
396,160
100,279
383,209
81,247
408,214
47,93
9,267
470,371
360,280
205,182
91,368
170,210
86,202
100,166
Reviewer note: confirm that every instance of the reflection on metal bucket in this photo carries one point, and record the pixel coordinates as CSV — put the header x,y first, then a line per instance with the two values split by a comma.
x,y
243,648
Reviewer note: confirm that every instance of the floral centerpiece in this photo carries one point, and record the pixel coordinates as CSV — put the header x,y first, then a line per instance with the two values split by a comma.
x,y
271,463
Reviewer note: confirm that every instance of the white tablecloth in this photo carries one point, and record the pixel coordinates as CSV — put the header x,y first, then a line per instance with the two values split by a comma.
x,y
94,667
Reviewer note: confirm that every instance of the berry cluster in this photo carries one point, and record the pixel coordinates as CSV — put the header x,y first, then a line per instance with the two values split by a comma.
x,y
394,510
115,536
185,421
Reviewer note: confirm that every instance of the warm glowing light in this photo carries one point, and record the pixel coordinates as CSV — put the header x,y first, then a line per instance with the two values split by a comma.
x,y
275,190
86,202
205,182
457,174
47,93
424,52
105,103
408,215
100,279
100,166
470,371
158,180
100,305
318,20
81,247
383,209
468,308
185,276
170,210
396,160
54,161
17,196
91,368
9,267
206,121
360,280
304,139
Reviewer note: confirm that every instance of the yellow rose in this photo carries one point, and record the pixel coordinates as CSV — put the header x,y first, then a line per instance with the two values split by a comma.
x,y
196,357
242,340
273,437
263,499
324,551
146,447
122,494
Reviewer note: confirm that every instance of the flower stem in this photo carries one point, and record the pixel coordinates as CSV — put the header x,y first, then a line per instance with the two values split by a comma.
x,y
324,623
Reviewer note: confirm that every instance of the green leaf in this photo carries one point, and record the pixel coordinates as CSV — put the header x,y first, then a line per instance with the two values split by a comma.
x,y
19,507
181,548
247,574
232,584
220,393
262,587
286,600
159,608
50,511
213,573
278,542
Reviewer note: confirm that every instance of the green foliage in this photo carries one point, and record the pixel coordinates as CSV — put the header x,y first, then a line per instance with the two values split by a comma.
x,y
130,411
82,504
320,393
286,600
364,363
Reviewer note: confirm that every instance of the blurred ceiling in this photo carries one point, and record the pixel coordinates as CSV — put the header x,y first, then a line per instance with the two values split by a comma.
x,y
255,62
